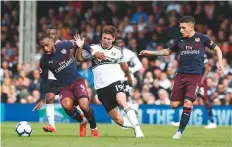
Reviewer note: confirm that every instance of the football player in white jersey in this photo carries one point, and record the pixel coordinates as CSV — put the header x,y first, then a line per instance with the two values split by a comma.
x,y
109,74
134,65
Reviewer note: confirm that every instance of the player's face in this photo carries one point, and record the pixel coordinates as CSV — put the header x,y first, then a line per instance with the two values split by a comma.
x,y
52,34
48,45
186,29
119,43
107,40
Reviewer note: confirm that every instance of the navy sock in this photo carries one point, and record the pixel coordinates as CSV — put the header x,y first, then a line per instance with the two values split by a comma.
x,y
210,113
184,118
91,119
74,114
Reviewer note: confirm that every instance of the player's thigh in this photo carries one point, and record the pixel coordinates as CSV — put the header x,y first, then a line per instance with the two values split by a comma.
x,y
121,99
81,94
192,87
116,115
106,97
66,96
178,91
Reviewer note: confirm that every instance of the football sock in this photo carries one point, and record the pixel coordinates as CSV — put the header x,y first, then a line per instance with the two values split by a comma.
x,y
131,116
81,114
74,114
126,123
50,114
184,118
90,117
210,113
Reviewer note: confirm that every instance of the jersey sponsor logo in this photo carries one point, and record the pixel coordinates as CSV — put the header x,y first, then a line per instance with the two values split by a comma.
x,y
197,39
63,51
50,61
187,52
63,65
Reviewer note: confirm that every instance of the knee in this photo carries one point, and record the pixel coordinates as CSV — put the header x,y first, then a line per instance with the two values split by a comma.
x,y
67,104
84,104
50,98
175,105
188,103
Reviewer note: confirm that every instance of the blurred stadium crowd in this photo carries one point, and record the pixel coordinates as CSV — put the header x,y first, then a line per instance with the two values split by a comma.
x,y
143,25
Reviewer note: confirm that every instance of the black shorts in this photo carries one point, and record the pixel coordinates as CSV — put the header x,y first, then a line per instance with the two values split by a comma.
x,y
52,87
107,95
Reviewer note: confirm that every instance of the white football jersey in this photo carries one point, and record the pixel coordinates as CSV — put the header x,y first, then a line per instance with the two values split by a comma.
x,y
132,60
106,71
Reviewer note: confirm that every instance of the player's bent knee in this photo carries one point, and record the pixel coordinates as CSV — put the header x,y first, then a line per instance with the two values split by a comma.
x,y
50,98
83,103
188,103
175,104
67,103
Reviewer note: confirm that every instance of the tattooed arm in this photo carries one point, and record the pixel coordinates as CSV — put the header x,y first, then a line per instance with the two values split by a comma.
x,y
163,52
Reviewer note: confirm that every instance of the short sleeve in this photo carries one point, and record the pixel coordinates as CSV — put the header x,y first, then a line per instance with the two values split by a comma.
x,y
209,43
174,46
65,44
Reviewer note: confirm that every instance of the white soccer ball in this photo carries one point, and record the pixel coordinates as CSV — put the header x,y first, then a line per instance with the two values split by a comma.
x,y
23,128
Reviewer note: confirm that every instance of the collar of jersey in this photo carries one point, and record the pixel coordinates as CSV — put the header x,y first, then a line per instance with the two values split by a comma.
x,y
107,48
186,38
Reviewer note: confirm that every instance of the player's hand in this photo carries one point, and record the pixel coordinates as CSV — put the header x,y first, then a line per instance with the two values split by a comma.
x,y
38,105
99,55
221,69
79,42
146,53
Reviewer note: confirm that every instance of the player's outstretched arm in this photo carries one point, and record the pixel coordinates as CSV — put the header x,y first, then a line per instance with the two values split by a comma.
x,y
220,63
163,52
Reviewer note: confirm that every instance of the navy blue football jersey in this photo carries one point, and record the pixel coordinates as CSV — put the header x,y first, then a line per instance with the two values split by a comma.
x,y
191,51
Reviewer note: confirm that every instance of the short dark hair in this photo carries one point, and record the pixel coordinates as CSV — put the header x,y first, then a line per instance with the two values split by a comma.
x,y
109,30
49,29
119,38
44,37
187,19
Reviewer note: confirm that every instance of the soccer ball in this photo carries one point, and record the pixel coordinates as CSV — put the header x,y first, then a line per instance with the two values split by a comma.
x,y
23,128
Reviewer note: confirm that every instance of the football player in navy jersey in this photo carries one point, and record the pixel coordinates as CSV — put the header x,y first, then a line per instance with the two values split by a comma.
x,y
191,48
58,59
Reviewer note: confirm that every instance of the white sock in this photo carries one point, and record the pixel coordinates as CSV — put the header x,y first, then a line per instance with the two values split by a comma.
x,y
79,110
50,114
82,114
126,123
130,113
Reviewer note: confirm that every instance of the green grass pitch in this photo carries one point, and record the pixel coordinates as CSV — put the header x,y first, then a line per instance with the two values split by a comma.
x,y
67,135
